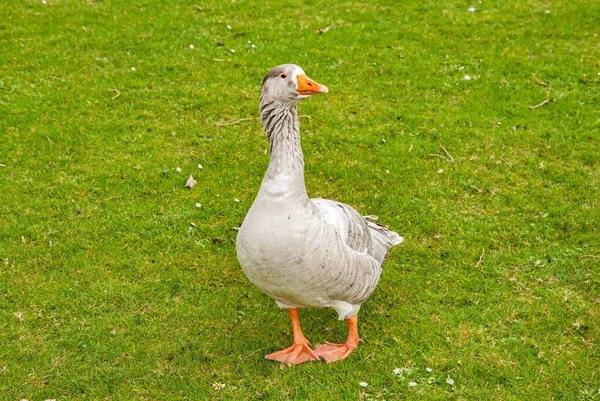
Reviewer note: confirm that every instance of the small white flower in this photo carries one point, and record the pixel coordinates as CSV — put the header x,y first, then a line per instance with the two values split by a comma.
x,y
412,384
471,9
429,370
499,123
249,42
198,205
467,78
236,200
200,166
254,47
132,68
363,384
43,2
450,381
232,50
178,169
192,47
218,386
228,26
397,371
440,171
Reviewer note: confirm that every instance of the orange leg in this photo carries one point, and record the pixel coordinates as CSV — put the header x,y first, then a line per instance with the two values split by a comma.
x,y
334,352
300,351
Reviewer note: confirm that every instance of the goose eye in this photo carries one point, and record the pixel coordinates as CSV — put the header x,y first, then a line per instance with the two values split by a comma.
x,y
282,75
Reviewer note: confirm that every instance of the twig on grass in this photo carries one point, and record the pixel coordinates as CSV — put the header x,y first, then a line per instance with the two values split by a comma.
x,y
480,258
2,165
591,256
248,119
242,358
539,81
114,91
198,7
547,85
436,155
319,30
448,154
540,105
236,121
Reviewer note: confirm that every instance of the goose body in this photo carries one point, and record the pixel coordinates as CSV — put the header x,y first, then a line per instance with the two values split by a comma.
x,y
305,252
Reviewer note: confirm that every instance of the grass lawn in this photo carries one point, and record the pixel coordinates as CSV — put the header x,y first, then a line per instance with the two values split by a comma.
x,y
108,292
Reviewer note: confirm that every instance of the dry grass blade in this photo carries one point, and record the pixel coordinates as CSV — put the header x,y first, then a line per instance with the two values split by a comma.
x,y
539,81
319,30
447,153
540,105
480,258
236,121
248,119
114,91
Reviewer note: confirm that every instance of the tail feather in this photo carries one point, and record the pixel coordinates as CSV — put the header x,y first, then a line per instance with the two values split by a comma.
x,y
383,239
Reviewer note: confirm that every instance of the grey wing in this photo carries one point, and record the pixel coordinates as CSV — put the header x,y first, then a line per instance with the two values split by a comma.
x,y
360,234
350,225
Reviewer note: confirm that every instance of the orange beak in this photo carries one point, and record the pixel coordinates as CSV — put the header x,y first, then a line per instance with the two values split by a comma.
x,y
307,86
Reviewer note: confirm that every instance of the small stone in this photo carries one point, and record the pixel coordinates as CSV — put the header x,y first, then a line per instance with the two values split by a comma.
x,y
192,47
429,370
190,183
363,384
193,224
200,166
547,11
228,26
249,42
471,9
499,123
253,46
232,50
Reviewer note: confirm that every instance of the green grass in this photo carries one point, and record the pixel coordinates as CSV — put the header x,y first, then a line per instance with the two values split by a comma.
x,y
107,292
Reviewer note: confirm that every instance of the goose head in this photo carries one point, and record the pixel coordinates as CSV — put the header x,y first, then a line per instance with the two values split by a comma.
x,y
287,84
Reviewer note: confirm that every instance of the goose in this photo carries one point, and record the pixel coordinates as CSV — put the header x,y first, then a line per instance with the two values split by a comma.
x,y
305,252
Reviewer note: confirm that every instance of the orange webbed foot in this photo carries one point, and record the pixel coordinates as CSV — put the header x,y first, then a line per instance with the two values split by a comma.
x,y
296,354
334,352
299,352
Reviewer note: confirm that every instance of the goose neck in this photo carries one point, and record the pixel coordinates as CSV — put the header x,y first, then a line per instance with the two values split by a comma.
x,y
285,173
